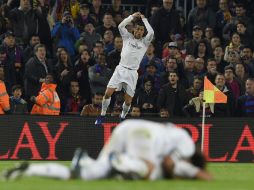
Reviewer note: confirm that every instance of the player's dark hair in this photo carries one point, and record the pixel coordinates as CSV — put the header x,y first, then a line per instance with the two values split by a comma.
x,y
198,159
139,22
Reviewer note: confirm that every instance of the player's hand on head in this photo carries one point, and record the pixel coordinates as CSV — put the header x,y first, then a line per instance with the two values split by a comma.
x,y
142,16
136,14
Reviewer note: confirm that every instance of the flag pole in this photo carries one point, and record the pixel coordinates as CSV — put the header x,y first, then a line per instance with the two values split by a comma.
x,y
203,128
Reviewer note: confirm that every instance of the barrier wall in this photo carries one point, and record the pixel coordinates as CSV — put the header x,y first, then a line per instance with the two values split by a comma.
x,y
56,138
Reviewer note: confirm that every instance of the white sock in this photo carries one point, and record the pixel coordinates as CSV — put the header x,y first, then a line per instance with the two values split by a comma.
x,y
51,170
125,110
104,107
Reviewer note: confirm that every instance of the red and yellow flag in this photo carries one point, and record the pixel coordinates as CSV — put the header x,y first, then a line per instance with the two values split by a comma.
x,y
212,94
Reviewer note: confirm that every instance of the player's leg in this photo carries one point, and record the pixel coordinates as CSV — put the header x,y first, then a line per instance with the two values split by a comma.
x,y
126,105
95,169
106,100
50,170
104,106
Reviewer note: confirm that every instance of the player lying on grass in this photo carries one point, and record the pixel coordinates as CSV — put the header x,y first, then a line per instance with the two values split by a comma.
x,y
137,149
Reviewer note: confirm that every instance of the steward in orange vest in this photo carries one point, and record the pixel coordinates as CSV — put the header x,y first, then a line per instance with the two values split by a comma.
x,y
4,97
47,102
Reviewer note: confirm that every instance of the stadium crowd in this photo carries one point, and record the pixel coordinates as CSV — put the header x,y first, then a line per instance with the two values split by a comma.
x,y
57,56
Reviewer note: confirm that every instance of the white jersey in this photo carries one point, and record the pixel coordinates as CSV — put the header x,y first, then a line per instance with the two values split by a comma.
x,y
150,141
134,49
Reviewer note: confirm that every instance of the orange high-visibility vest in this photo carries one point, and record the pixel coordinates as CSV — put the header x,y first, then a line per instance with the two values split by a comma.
x,y
4,99
47,102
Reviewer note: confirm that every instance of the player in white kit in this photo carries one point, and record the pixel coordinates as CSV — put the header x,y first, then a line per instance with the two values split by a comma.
x,y
125,75
136,147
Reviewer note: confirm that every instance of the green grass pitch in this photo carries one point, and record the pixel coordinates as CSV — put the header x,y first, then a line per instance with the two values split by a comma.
x,y
228,176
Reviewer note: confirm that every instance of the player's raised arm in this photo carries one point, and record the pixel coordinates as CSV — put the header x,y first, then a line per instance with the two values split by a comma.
x,y
123,31
150,32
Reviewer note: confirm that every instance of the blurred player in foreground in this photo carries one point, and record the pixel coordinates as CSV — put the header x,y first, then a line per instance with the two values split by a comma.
x,y
137,149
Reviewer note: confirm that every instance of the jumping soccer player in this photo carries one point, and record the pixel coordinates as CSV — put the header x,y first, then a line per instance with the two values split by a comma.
x,y
125,75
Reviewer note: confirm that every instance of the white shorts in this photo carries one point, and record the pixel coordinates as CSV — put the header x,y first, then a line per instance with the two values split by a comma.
x,y
124,78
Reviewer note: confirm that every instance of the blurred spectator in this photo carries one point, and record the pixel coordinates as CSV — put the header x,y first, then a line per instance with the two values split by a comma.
x,y
29,50
209,34
171,51
234,45
108,24
27,21
115,9
97,49
146,96
211,70
14,67
195,107
215,42
199,67
221,109
247,58
93,109
74,102
149,7
108,39
240,14
232,57
18,104
150,72
114,56
219,58
202,50
135,111
165,21
65,34
223,16
4,98
99,75
170,65
64,73
89,36
201,15
245,102
241,75
231,82
81,47
36,70
47,102
191,45
150,56
164,113
245,36
97,12
195,89
81,72
172,96
179,39
188,71
84,17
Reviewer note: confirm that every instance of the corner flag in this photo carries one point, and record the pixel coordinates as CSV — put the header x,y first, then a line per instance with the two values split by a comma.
x,y
212,94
